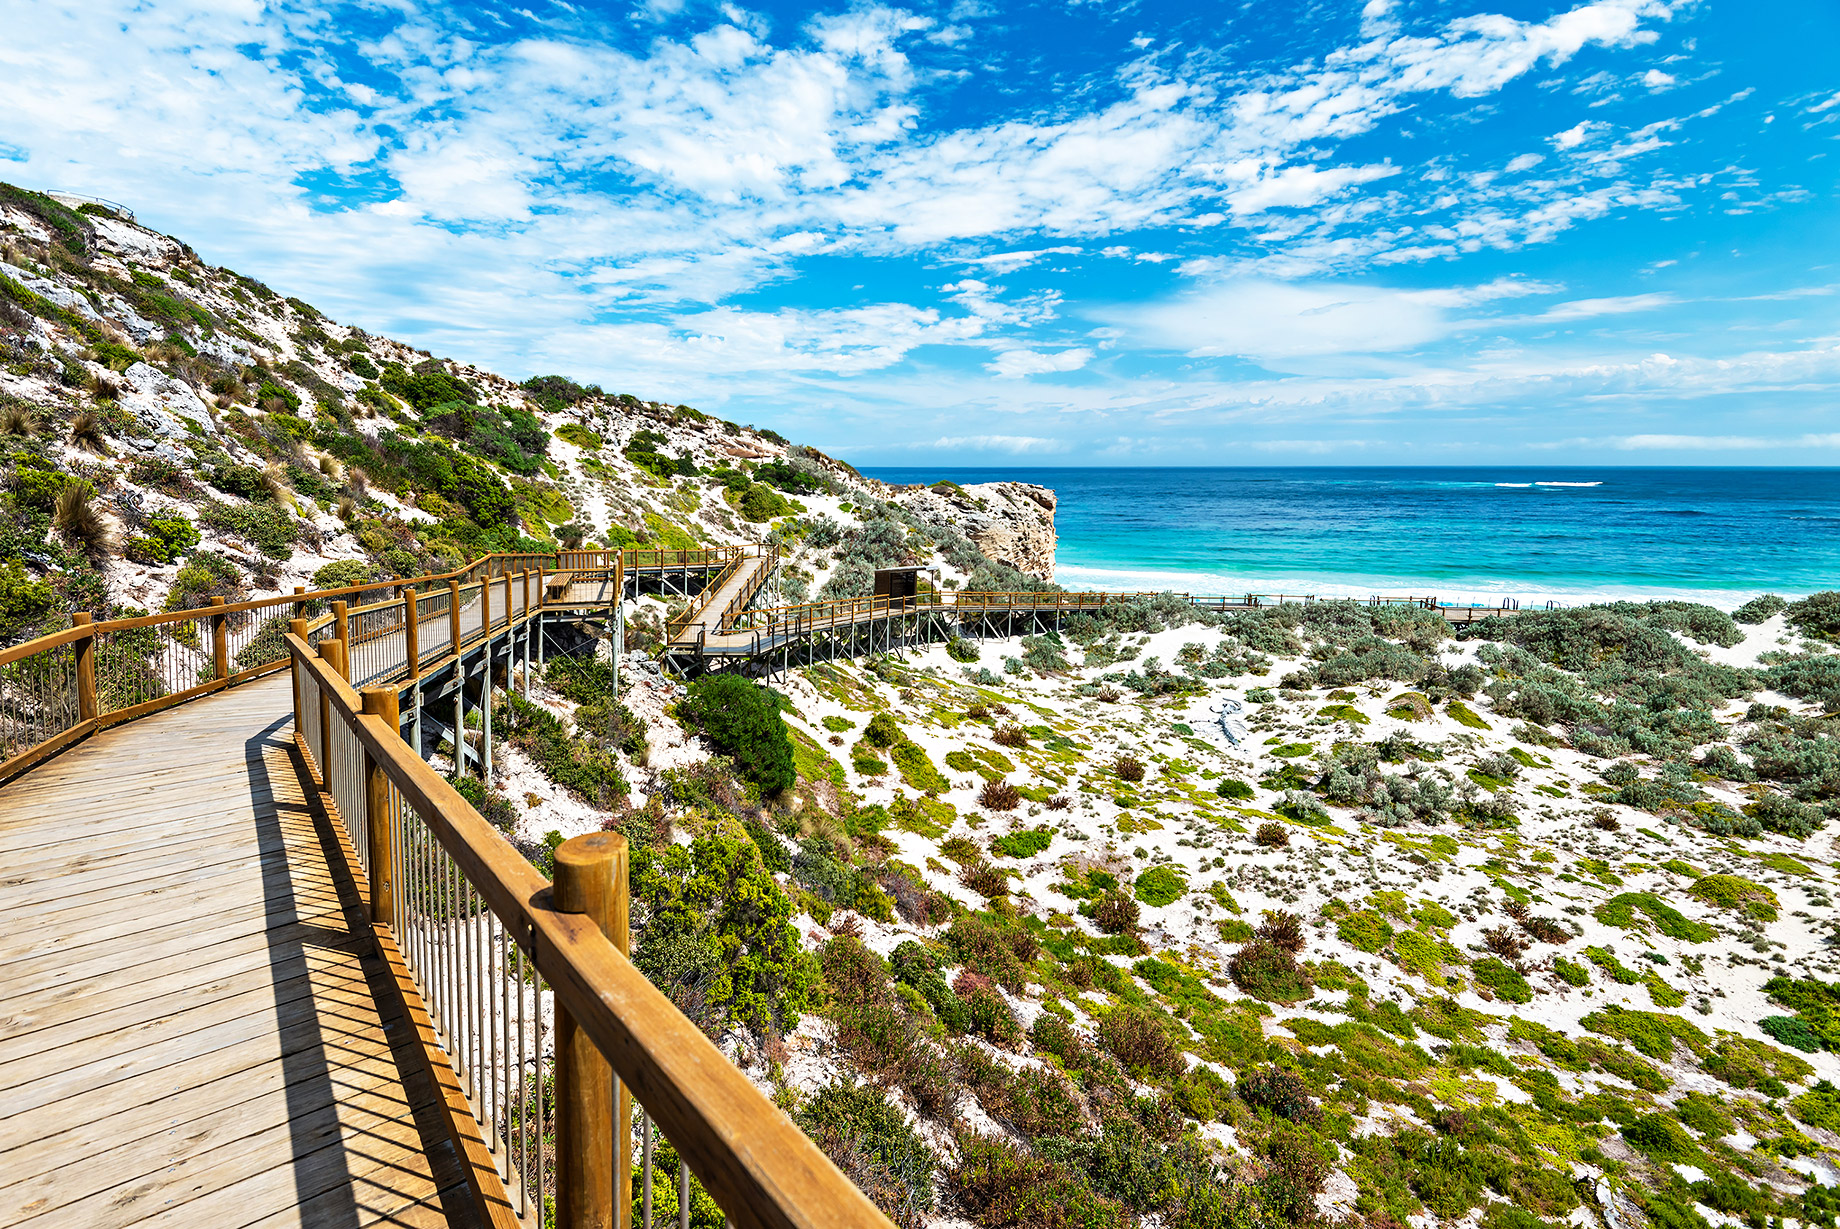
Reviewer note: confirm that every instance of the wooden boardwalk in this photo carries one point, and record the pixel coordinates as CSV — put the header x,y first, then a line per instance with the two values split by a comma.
x,y
194,1027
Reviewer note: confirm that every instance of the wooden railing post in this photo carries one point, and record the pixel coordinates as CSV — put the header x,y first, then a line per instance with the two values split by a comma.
x,y
300,608
412,639
297,628
341,631
485,607
332,652
593,1189
86,668
220,641
453,613
380,702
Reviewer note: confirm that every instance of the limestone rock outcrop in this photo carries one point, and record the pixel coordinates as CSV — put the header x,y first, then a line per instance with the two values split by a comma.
x,y
1011,522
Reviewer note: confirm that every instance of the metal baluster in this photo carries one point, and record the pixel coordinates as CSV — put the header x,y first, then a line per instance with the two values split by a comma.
x,y
645,1168
683,1193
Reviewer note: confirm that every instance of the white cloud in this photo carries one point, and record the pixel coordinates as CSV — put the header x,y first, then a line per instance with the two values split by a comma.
x,y
1525,162
1014,364
1015,445
1575,136
1657,80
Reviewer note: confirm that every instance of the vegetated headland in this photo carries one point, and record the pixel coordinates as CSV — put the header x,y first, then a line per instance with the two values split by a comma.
x,y
1305,914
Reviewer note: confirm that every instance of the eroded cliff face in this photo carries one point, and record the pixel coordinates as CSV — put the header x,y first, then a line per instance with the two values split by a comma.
x,y
1011,522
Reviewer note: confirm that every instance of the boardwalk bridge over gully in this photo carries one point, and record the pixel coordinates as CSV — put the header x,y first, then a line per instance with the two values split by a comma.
x,y
260,965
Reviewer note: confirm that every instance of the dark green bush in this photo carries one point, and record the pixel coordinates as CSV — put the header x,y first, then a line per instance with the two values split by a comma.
x,y
870,1141
1266,971
1138,1038
743,722
1280,1091
1759,608
1003,1187
267,527
167,536
1817,615
718,936
1022,843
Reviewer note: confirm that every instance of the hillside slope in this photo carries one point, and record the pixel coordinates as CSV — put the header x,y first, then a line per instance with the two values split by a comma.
x,y
208,436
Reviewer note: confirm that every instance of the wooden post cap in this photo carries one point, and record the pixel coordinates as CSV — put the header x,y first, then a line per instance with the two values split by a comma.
x,y
584,870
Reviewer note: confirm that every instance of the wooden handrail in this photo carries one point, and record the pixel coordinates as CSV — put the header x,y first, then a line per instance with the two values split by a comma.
x,y
754,1161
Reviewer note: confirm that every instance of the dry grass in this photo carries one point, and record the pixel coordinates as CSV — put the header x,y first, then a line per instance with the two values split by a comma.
x,y
1128,768
1504,942
86,432
1011,736
1273,836
81,524
999,796
17,418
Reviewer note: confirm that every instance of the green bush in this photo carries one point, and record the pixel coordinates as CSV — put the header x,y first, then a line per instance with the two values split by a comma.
x,y
1816,1002
1570,972
1159,886
961,650
589,773
1817,615
1759,608
1364,930
744,723
24,602
1282,1092
882,731
1138,1039
1737,894
1266,971
719,937
869,1140
342,574
267,527
168,536
1235,789
1502,979
916,769
1660,1137
1621,910
1792,1031
1023,843
1002,1186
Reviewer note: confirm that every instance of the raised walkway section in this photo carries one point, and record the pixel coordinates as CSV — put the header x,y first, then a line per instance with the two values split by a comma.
x,y
194,1027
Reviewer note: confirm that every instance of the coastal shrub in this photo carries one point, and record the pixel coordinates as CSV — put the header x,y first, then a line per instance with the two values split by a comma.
x,y
1003,1186
1128,768
1660,1137
1503,979
999,796
1364,930
1817,615
1622,911
1159,886
165,537
1137,1038
1266,971
743,722
587,772
1011,735
961,650
266,526
1235,789
719,939
1023,843
1738,895
1570,972
1114,912
1792,1031
1272,836
910,759
1280,1092
882,731
1759,608
1816,1004
870,1141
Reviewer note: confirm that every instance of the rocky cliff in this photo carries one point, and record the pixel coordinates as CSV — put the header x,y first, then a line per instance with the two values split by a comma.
x,y
1010,522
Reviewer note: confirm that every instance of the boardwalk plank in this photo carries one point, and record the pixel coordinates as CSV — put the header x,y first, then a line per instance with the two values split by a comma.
x,y
190,1020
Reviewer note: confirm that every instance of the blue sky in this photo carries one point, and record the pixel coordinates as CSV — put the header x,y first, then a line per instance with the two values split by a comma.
x,y
1358,232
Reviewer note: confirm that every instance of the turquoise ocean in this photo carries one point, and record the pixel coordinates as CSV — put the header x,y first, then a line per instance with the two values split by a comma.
x,y
1464,535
